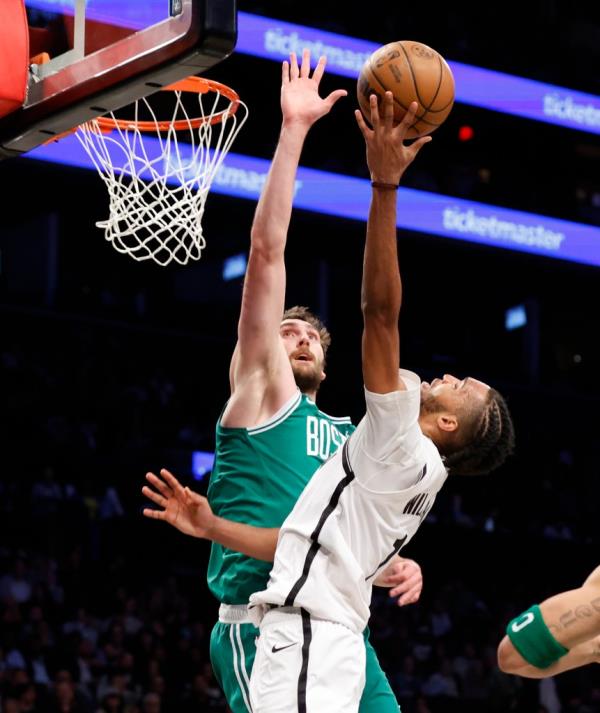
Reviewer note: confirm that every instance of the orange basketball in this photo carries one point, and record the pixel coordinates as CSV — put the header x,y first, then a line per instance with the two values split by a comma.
x,y
412,71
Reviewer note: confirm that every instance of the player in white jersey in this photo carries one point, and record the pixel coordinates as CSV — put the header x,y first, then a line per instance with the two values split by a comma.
x,y
369,499
361,507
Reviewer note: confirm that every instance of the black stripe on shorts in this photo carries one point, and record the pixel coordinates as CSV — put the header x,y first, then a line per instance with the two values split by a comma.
x,y
302,678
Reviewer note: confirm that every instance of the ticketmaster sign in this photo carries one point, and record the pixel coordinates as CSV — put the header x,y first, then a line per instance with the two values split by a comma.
x,y
275,39
348,197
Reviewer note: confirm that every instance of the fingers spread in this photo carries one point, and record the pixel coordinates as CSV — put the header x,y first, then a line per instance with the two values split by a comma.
x,y
388,108
334,96
417,145
294,71
155,497
409,118
362,124
319,69
159,484
374,110
192,498
305,68
172,481
154,514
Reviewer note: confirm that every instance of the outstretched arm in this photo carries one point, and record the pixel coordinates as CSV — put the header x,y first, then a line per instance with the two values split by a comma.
x,y
573,618
191,514
258,356
387,158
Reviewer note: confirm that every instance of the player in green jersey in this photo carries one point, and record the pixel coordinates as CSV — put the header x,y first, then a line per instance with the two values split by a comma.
x,y
271,436
258,475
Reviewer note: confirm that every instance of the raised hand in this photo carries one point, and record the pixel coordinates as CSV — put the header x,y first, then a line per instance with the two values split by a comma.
x,y
387,155
405,579
300,100
187,511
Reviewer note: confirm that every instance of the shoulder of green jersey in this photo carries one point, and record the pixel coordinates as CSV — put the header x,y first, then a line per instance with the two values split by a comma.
x,y
277,418
336,419
333,419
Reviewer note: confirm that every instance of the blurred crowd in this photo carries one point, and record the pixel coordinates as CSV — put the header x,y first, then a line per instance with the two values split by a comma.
x,y
120,633
75,639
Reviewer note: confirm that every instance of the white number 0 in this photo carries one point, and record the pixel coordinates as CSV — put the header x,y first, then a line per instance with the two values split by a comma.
x,y
518,625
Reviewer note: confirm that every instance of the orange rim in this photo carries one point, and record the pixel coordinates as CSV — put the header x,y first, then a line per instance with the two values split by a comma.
x,y
196,85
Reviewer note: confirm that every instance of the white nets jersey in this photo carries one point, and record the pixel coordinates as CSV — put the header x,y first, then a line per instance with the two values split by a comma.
x,y
358,510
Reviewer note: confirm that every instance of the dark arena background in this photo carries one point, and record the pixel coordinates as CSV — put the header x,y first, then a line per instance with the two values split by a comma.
x,y
110,368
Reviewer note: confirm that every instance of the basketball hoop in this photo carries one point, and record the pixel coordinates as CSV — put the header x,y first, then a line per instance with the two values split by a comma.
x,y
158,173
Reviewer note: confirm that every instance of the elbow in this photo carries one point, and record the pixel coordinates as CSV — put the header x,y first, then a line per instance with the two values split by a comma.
x,y
269,545
264,256
380,312
267,244
508,658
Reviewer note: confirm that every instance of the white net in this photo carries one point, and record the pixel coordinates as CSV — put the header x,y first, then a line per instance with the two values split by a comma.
x,y
158,179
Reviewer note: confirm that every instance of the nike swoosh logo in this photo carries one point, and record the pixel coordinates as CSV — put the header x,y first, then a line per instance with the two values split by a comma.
x,y
275,649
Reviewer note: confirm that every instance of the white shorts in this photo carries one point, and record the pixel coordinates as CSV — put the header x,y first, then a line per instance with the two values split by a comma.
x,y
306,665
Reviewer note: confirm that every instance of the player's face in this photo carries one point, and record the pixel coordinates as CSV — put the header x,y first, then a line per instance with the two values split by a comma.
x,y
452,394
303,346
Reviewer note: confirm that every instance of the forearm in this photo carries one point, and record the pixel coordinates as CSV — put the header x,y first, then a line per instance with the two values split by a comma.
x,y
264,285
381,287
581,655
573,617
274,209
256,542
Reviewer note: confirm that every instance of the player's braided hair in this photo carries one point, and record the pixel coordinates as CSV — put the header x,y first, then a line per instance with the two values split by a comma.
x,y
493,442
306,315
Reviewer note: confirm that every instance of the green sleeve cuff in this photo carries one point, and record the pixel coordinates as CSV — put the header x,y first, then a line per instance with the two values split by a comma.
x,y
533,640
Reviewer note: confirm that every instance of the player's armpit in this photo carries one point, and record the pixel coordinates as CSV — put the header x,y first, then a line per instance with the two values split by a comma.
x,y
257,394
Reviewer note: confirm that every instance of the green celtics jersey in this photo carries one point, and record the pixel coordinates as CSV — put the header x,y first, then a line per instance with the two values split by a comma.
x,y
258,475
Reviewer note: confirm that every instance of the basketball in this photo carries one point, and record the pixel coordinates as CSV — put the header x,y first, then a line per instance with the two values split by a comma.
x,y
412,71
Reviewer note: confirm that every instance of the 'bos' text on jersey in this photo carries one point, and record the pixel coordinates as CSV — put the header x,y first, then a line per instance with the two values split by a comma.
x,y
322,437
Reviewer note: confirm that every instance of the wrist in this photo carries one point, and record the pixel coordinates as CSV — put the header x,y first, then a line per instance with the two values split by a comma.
x,y
299,127
384,186
210,531
386,175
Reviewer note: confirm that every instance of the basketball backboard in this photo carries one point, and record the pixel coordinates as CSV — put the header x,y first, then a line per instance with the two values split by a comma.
x,y
101,55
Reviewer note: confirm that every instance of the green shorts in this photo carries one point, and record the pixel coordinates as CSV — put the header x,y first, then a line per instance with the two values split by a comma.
x,y
232,650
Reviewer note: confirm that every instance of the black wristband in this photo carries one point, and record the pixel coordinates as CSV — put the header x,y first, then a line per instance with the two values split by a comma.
x,y
385,186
